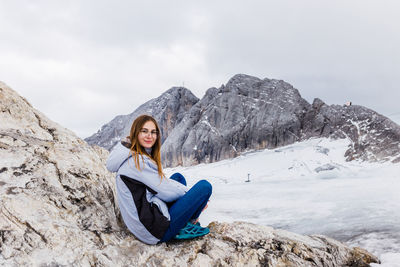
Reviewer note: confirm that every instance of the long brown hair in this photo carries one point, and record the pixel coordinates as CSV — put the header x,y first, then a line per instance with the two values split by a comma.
x,y
137,150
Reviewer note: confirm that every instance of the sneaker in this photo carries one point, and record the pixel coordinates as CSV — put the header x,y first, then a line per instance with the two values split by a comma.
x,y
191,231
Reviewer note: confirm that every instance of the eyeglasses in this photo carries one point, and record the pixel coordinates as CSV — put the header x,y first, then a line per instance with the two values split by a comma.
x,y
147,132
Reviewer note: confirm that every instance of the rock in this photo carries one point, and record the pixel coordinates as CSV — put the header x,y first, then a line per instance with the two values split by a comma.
x,y
325,167
57,208
56,194
374,137
322,150
168,109
247,113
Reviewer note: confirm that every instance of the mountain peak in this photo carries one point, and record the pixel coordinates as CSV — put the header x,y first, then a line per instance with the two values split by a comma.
x,y
168,109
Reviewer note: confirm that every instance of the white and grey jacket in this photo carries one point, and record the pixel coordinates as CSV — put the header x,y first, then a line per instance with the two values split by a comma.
x,y
142,195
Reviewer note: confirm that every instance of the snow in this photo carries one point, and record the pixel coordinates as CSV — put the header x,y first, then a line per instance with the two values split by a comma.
x,y
355,202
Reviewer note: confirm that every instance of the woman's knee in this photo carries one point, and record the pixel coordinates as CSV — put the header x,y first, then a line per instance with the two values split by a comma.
x,y
178,177
205,186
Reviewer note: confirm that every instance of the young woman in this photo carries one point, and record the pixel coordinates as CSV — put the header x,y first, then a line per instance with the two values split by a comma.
x,y
154,208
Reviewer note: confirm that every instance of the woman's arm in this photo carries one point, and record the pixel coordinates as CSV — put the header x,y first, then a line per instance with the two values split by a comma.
x,y
166,189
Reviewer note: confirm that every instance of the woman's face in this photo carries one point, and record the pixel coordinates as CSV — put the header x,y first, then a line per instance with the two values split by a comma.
x,y
148,135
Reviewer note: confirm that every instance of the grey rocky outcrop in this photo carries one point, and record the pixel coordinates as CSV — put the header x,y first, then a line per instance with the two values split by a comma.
x,y
246,113
57,208
249,114
373,136
168,109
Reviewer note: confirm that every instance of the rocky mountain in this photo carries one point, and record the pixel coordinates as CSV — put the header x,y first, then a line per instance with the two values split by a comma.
x,y
246,113
57,208
373,136
168,109
250,113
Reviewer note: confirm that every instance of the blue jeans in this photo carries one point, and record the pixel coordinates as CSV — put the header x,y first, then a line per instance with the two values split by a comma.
x,y
188,207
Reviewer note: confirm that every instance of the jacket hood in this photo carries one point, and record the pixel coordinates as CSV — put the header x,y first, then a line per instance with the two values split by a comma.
x,y
121,153
117,156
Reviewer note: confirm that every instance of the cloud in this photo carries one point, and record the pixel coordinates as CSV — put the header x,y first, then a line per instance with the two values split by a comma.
x,y
83,63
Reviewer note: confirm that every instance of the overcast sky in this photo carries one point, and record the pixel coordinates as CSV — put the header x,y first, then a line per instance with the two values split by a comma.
x,y
84,62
